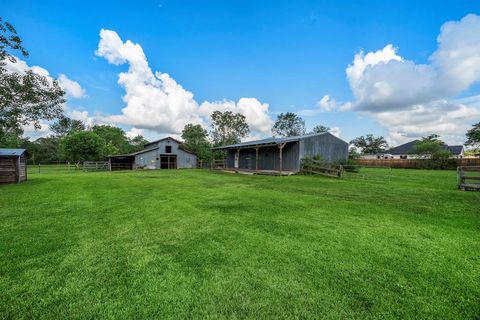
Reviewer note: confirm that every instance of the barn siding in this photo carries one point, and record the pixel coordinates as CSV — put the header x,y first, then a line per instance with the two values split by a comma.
x,y
327,146
152,158
148,159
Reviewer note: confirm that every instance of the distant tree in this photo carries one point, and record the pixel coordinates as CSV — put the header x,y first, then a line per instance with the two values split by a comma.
x,y
83,146
473,136
65,125
45,149
288,124
432,138
353,154
370,144
320,129
137,143
25,97
195,139
228,127
431,147
116,141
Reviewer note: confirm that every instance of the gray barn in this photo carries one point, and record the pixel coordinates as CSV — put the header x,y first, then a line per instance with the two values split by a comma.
x,y
284,154
166,153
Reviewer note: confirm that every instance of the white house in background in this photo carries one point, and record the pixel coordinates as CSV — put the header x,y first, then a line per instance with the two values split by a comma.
x,y
404,152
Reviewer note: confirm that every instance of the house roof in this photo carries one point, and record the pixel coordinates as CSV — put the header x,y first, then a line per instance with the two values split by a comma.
x,y
269,141
403,148
12,152
408,147
456,150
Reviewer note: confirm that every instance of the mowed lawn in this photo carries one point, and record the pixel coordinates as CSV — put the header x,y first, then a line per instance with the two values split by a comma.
x,y
195,244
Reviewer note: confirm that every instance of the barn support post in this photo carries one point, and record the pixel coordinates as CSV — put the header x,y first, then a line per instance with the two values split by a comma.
x,y
280,148
256,158
237,160
211,161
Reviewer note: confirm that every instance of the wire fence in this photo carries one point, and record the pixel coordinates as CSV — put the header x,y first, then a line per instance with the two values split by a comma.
x,y
54,167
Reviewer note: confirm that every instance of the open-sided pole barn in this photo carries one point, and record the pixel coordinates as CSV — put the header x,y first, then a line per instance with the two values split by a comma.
x,y
13,165
283,155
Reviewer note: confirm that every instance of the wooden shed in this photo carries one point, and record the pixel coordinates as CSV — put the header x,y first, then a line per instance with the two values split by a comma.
x,y
13,165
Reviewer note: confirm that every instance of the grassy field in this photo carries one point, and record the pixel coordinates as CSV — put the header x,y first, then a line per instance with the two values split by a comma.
x,y
181,244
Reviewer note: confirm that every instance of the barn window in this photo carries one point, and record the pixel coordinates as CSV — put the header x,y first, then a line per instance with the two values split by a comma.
x,y
168,149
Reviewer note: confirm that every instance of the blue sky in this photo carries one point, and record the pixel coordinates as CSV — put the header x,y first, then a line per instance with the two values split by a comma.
x,y
287,54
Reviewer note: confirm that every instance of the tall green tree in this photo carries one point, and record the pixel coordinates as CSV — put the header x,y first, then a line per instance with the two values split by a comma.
x,y
65,125
228,128
195,139
288,124
83,146
433,149
45,149
320,129
137,143
473,136
26,97
370,143
116,141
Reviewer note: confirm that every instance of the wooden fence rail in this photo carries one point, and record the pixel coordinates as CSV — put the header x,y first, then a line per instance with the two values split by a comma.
x,y
218,164
414,163
469,178
96,166
309,166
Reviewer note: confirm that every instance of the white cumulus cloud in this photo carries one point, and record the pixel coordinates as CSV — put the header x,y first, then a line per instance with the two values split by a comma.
x,y
155,101
412,100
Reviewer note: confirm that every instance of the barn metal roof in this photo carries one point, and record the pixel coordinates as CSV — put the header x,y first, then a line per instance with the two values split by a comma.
x,y
12,152
268,141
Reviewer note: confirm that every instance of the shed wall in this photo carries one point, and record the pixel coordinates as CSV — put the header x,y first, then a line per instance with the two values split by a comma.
x,y
13,169
327,146
8,170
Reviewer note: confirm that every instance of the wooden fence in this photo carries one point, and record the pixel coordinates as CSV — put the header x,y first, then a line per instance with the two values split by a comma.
x,y
309,166
218,164
469,178
413,163
96,166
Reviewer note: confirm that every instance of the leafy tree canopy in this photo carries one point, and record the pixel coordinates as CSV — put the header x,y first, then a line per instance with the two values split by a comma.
x,y
228,128
116,141
137,143
320,129
83,146
288,124
473,136
27,97
432,149
195,139
65,125
370,143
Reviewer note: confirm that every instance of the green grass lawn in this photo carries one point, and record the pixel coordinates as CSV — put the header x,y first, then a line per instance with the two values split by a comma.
x,y
190,243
